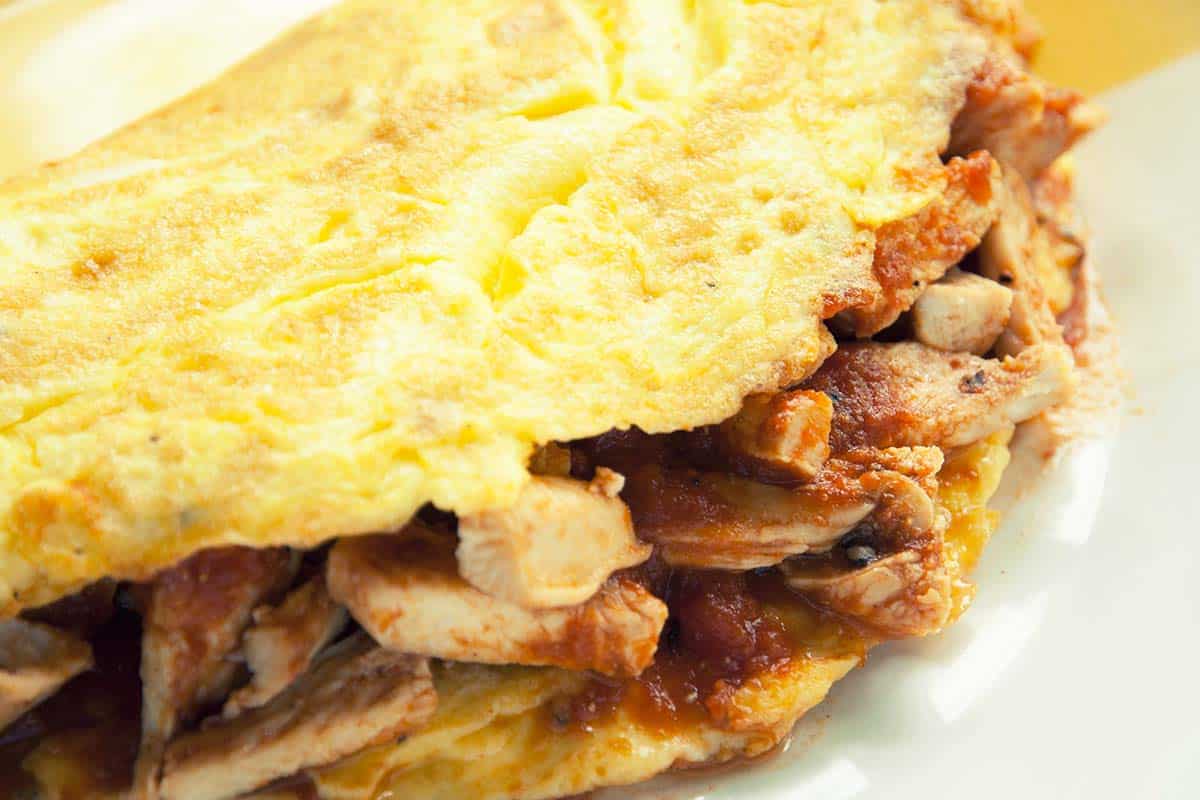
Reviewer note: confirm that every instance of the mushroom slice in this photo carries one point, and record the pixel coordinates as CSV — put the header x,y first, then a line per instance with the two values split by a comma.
x,y
889,572
906,393
715,520
405,591
914,252
283,640
901,595
555,546
35,660
356,695
192,621
1017,253
1018,119
786,432
962,312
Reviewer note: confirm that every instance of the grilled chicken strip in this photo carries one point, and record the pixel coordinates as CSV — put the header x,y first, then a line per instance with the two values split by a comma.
x,y
193,620
914,252
962,313
555,546
405,590
283,640
1018,119
356,695
905,393
786,433
35,660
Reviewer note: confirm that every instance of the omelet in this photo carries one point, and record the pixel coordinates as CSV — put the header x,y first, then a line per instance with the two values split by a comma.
x,y
508,398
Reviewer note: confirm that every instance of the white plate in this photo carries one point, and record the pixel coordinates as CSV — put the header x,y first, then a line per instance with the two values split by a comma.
x,y
1071,676
1074,673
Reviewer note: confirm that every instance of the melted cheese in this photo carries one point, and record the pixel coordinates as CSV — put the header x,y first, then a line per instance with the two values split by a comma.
x,y
373,265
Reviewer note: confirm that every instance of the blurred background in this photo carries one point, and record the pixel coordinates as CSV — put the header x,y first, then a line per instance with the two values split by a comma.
x,y
73,70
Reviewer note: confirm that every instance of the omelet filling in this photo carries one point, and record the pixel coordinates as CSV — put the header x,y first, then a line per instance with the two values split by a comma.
x,y
632,602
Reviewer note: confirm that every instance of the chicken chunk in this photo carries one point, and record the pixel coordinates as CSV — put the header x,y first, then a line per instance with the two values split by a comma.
x,y
1018,119
786,432
405,591
555,546
715,520
1018,253
906,393
962,313
912,253
357,695
35,660
193,620
283,640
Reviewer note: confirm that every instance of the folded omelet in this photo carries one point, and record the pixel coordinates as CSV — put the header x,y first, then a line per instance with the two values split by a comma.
x,y
565,390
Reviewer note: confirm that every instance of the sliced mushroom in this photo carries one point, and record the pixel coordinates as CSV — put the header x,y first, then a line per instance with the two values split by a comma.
x,y
914,252
889,572
193,620
1016,253
356,695
786,432
900,595
283,640
35,660
555,546
1018,119
405,590
906,393
962,312
715,520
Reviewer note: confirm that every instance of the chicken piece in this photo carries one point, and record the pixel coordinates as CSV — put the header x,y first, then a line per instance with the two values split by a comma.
x,y
1018,119
962,313
193,620
405,591
787,433
715,520
356,695
35,660
906,393
1017,253
555,546
914,252
283,640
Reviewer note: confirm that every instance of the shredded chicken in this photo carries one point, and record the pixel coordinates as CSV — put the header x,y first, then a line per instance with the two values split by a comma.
x,y
193,620
283,640
356,695
1018,119
787,432
404,589
912,253
962,312
35,660
555,546
905,393
1017,252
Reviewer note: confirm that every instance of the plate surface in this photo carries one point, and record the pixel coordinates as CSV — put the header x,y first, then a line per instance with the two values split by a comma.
x,y
1072,675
